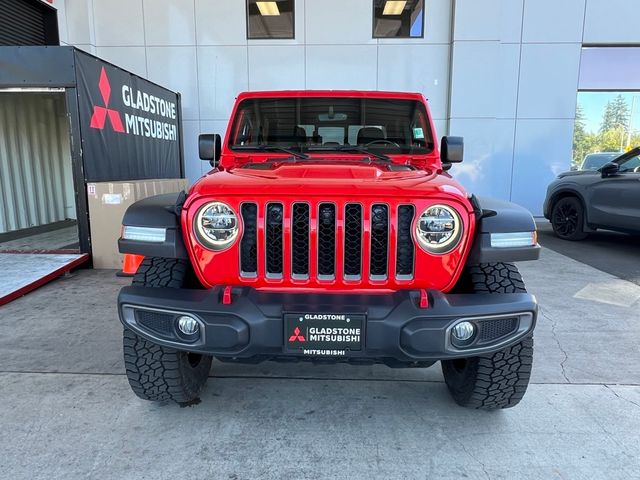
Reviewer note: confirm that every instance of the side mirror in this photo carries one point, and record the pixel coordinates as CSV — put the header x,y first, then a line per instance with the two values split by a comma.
x,y
451,151
210,147
609,169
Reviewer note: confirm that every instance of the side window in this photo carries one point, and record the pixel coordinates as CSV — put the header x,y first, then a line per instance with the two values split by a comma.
x,y
331,135
420,131
246,132
631,165
355,129
308,129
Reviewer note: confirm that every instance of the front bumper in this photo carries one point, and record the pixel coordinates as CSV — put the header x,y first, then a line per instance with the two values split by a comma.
x,y
395,328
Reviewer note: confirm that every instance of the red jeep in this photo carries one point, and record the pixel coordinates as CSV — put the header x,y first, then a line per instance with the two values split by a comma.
x,y
329,229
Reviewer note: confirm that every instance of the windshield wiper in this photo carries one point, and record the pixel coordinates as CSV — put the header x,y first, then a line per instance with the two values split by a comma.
x,y
271,148
350,148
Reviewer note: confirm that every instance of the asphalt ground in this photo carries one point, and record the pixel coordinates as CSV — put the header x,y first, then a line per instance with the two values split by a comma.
x,y
66,410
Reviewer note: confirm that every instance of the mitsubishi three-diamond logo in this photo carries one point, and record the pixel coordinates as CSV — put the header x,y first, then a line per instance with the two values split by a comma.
x,y
100,114
297,336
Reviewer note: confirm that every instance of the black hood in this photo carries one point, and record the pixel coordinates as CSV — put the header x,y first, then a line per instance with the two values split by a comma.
x,y
574,173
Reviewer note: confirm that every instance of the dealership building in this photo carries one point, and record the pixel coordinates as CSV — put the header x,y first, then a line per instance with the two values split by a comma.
x,y
502,73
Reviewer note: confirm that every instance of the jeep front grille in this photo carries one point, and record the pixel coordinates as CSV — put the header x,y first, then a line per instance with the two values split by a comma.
x,y
273,243
404,247
327,241
379,257
353,241
249,242
300,241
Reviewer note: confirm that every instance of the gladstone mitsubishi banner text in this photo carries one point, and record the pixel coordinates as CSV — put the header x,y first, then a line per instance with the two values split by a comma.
x,y
130,126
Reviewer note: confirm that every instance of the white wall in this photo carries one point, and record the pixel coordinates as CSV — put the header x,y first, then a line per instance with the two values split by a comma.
x,y
514,68
514,93
199,48
514,86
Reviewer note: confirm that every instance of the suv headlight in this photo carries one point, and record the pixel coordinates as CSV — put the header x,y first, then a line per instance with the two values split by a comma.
x,y
439,229
216,225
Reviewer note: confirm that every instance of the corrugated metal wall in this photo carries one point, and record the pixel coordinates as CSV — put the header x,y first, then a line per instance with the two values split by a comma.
x,y
35,162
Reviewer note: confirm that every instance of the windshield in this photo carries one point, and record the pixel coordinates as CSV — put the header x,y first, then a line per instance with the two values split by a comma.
x,y
594,161
385,126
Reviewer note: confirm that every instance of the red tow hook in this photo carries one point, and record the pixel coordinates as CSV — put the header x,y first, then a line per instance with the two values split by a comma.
x,y
226,295
424,299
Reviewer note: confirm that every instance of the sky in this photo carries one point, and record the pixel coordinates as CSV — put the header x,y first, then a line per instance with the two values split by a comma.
x,y
594,103
416,27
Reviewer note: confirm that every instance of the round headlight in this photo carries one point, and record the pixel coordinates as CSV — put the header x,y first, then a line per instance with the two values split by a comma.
x,y
216,225
439,229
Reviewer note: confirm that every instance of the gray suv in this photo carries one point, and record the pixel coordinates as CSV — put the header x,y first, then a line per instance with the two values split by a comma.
x,y
594,161
582,201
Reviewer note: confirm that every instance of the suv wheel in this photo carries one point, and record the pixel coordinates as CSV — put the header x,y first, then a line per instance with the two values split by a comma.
x,y
494,380
155,372
567,219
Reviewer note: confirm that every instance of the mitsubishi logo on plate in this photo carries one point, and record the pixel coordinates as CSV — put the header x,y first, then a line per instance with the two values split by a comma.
x,y
100,113
297,336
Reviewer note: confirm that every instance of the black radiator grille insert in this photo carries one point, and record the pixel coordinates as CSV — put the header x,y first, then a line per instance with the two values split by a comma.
x,y
249,242
158,322
300,240
494,329
273,248
404,245
353,240
379,241
326,239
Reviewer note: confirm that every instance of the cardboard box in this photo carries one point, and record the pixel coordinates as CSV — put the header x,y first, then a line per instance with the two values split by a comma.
x,y
107,203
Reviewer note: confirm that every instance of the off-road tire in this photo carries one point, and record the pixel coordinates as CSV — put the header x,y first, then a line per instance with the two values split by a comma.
x,y
160,373
156,372
494,380
567,219
161,272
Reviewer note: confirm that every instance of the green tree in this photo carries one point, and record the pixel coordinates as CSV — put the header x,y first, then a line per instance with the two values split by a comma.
x,y
612,140
616,115
579,137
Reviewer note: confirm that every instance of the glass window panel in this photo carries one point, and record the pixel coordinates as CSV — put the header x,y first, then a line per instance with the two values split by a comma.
x,y
610,68
631,165
607,124
395,126
270,19
398,18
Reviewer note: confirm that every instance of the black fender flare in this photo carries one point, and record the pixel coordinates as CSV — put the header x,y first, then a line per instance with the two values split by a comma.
x,y
158,211
499,216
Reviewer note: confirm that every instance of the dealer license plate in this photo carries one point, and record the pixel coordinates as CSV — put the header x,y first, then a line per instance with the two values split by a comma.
x,y
323,334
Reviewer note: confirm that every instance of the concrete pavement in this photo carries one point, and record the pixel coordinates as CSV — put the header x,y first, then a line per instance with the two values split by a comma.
x,y
66,410
612,252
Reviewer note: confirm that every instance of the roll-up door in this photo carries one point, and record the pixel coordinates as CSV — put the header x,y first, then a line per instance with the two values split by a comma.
x,y
27,22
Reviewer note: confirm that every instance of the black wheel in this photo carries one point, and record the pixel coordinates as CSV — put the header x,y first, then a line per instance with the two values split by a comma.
x,y
160,373
567,219
494,380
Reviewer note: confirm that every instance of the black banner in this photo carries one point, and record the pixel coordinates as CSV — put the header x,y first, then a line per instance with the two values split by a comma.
x,y
130,126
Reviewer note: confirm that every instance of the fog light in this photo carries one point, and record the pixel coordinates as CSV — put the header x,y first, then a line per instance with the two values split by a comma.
x,y
188,325
463,331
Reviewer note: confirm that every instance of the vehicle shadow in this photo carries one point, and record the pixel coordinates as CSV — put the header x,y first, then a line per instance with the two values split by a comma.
x,y
612,252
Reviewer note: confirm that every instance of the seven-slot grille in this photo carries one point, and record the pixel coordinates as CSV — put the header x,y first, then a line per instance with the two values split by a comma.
x,y
326,241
